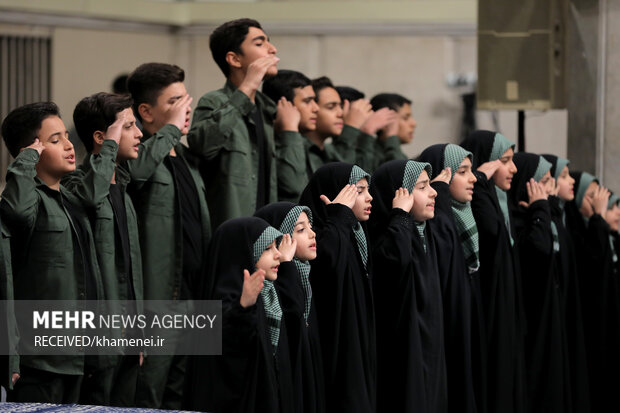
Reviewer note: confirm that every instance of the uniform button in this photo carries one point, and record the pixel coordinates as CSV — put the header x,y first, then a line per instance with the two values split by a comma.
x,y
253,177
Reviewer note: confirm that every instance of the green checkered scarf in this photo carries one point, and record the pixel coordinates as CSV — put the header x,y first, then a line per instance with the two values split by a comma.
x,y
613,199
358,173
582,187
559,167
500,145
303,267
462,212
271,304
411,175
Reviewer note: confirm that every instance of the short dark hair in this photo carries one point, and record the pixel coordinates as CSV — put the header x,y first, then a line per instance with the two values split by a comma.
x,y
389,100
228,38
21,127
284,84
149,79
119,85
96,113
321,83
349,93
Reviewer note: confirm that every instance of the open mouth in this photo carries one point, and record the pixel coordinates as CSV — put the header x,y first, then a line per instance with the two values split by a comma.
x,y
367,210
313,246
70,158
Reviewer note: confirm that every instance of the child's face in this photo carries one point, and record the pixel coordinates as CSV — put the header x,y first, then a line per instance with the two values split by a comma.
x,y
613,217
305,103
566,185
406,123
130,137
329,120
269,262
503,176
547,182
586,208
362,206
58,158
161,111
423,199
305,237
462,185
256,45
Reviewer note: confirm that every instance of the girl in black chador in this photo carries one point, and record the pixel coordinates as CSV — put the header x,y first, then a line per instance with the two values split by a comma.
x,y
544,286
567,269
456,236
599,289
295,292
341,277
411,358
253,374
499,271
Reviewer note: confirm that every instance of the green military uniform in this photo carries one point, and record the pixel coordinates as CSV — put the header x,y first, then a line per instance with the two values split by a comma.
x,y
372,152
298,157
156,201
47,258
8,332
220,136
112,385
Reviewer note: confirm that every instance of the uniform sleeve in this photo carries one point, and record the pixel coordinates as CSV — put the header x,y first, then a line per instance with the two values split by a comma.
x,y
20,200
152,152
366,152
390,149
215,122
345,143
92,187
291,158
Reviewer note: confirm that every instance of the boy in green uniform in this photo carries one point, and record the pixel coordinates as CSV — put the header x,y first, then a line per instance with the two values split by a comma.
x,y
170,201
232,129
107,127
389,141
53,253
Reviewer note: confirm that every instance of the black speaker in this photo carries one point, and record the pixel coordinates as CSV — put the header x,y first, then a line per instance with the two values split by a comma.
x,y
521,54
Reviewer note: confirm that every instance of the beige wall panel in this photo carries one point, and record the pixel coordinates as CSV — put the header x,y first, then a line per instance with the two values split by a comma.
x,y
86,61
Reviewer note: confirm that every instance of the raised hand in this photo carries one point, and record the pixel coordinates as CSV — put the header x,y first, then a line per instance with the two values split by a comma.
x,y
403,199
600,200
113,133
179,112
392,128
444,176
346,197
379,120
287,117
287,248
357,113
36,145
256,73
252,284
489,168
535,192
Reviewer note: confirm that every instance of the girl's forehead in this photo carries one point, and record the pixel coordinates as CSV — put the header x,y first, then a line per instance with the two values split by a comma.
x,y
423,176
466,162
362,182
303,218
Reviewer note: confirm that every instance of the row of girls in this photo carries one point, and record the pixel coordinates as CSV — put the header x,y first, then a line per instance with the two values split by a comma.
x,y
472,279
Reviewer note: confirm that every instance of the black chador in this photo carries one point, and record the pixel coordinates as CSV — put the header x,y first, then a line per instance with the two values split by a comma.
x,y
253,374
499,281
456,236
599,289
567,269
341,288
410,341
544,292
295,292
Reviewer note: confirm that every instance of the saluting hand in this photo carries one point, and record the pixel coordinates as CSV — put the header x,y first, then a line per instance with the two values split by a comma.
x,y
357,113
403,199
36,145
600,200
287,248
379,120
113,133
346,197
179,113
287,117
535,192
252,284
444,176
489,168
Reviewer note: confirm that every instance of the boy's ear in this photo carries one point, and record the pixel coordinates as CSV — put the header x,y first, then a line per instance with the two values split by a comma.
x,y
233,60
98,137
144,109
